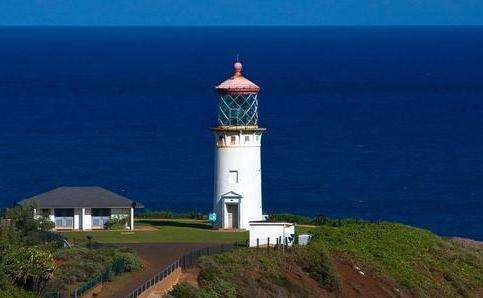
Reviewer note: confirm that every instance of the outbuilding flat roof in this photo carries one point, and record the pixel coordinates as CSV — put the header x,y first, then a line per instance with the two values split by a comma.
x,y
80,197
269,223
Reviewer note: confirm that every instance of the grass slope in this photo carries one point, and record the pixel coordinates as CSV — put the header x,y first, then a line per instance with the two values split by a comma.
x,y
263,273
397,257
425,263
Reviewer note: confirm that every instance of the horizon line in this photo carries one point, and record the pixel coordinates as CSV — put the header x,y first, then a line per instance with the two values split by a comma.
x,y
240,26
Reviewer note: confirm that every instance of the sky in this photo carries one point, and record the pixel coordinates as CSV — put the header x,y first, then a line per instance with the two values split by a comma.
x,y
239,12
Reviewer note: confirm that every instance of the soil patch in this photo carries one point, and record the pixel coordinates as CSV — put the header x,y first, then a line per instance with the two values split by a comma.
x,y
361,281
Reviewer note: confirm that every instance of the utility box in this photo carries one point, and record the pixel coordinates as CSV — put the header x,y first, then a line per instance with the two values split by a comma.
x,y
304,239
264,233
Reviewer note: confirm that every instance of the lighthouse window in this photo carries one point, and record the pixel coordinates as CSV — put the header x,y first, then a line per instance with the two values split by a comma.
x,y
247,139
232,140
220,141
233,176
258,138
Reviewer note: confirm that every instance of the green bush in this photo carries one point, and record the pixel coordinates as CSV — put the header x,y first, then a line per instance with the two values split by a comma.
x,y
130,260
29,266
80,264
116,223
183,290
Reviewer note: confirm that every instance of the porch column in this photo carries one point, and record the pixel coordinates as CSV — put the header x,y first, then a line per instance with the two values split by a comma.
x,y
52,215
132,219
83,217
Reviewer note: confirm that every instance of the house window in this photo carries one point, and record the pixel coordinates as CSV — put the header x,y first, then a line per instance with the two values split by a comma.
x,y
232,140
247,139
233,177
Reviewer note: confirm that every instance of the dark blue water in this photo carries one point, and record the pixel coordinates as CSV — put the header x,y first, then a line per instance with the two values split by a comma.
x,y
374,123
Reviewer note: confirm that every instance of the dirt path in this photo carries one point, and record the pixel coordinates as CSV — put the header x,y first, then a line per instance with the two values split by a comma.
x,y
155,256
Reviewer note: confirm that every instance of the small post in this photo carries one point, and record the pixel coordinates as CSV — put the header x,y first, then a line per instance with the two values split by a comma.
x,y
258,243
268,244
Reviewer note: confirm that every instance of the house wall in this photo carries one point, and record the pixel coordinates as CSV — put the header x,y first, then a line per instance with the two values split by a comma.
x,y
273,230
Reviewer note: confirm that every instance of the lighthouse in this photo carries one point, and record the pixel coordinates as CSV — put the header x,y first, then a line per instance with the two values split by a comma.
x,y
238,177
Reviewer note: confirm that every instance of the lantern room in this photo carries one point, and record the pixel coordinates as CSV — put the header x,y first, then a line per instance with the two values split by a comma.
x,y
238,104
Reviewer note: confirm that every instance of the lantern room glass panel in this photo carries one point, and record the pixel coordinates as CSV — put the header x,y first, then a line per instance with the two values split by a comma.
x,y
238,110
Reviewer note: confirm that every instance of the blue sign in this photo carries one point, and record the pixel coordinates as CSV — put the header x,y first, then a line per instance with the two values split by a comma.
x,y
212,217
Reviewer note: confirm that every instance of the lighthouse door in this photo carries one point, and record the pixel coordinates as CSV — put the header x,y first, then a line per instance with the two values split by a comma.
x,y
232,216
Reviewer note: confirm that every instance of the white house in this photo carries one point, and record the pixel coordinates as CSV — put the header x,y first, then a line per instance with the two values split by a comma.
x,y
238,178
82,208
263,233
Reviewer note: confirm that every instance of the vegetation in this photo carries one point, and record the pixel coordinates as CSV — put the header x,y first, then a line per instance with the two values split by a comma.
x,y
116,223
250,273
319,220
152,214
412,260
81,264
26,245
33,259
423,262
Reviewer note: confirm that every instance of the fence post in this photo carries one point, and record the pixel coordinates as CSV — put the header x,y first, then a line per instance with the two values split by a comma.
x,y
258,243
268,244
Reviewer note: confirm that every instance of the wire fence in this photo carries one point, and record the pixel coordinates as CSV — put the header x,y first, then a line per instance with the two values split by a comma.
x,y
116,268
186,261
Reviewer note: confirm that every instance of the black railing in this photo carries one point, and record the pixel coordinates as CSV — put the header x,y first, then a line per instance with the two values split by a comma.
x,y
186,261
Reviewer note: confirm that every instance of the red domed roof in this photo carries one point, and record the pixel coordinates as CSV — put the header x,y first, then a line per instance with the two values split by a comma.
x,y
237,84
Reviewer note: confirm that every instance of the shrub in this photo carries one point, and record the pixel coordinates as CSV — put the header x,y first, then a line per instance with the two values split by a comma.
x,y
29,267
183,290
152,214
130,260
117,223
290,218
80,264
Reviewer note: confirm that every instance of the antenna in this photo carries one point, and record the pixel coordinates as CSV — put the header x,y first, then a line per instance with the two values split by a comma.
x,y
237,58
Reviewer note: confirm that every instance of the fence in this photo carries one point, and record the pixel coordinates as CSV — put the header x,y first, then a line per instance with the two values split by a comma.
x,y
116,268
186,261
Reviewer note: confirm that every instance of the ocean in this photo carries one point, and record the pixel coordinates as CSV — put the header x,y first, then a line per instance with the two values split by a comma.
x,y
377,123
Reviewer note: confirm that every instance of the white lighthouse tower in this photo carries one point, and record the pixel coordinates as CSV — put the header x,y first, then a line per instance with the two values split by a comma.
x,y
238,180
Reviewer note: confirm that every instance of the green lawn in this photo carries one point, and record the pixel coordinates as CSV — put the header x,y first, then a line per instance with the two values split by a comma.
x,y
165,231
162,231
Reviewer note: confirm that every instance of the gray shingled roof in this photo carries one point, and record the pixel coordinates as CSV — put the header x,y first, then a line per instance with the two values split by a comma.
x,y
77,197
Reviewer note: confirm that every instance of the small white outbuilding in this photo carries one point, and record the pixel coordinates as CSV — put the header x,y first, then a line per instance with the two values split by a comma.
x,y
263,233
